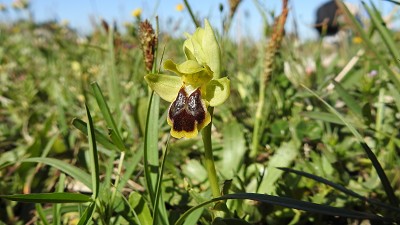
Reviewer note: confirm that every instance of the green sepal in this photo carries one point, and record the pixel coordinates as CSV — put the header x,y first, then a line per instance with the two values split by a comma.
x,y
211,49
188,50
165,86
203,47
217,91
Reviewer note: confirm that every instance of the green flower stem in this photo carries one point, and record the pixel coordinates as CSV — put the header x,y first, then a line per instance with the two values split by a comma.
x,y
209,158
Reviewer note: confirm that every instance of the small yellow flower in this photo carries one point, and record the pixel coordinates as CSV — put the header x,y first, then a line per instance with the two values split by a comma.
x,y
357,40
137,12
179,7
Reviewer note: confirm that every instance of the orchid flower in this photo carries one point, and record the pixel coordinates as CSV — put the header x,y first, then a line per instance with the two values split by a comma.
x,y
197,85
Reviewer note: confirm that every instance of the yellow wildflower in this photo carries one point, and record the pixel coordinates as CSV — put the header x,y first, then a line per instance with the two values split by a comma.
x,y
179,7
357,40
137,12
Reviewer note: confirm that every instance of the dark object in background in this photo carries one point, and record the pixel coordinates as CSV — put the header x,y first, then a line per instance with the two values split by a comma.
x,y
327,16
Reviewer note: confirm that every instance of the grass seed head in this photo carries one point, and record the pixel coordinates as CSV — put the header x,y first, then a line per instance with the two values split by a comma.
x,y
148,40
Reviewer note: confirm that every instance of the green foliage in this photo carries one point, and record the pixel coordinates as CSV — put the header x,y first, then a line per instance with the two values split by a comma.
x,y
326,151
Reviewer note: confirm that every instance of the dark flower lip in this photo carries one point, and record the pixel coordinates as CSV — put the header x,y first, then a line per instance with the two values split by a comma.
x,y
187,114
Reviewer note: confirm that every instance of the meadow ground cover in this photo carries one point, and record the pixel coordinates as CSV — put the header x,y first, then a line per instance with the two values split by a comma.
x,y
276,131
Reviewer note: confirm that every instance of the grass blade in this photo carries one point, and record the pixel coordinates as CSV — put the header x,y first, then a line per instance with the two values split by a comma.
x,y
393,1
74,172
94,161
116,139
289,203
348,99
49,198
49,146
57,206
151,160
194,217
387,38
131,210
100,137
324,116
339,188
381,173
87,215
158,198
41,214
139,206
113,80
151,146
105,110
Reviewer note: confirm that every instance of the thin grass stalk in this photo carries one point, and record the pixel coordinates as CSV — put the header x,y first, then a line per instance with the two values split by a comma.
x,y
196,23
147,148
93,156
159,182
41,214
271,50
131,210
116,183
233,5
57,206
113,85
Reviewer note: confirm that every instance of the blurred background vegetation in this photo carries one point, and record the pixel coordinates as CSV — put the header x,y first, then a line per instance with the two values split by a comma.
x,y
45,74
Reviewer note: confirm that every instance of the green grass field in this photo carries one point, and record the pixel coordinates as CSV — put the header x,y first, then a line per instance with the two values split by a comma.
x,y
83,138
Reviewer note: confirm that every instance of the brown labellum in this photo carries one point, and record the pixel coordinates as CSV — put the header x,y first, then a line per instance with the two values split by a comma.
x,y
187,114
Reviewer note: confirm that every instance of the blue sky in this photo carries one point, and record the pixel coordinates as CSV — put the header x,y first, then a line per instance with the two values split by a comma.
x,y
248,21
